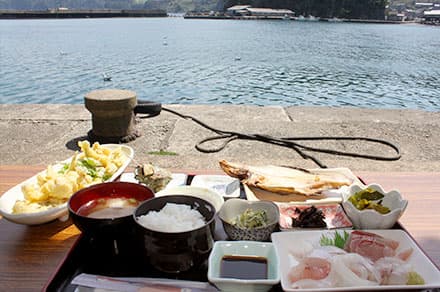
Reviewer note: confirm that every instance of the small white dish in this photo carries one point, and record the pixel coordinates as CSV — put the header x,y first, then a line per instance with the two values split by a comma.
x,y
334,214
371,219
178,179
227,186
243,248
203,193
8,199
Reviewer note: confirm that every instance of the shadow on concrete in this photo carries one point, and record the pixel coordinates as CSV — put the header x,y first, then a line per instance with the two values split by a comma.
x,y
73,143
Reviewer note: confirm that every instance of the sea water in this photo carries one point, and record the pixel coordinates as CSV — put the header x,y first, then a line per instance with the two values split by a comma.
x,y
186,61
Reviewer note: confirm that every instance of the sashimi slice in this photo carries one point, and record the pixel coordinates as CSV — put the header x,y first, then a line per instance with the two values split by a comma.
x,y
370,245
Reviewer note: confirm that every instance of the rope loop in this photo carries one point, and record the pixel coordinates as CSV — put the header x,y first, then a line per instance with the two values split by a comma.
x,y
290,142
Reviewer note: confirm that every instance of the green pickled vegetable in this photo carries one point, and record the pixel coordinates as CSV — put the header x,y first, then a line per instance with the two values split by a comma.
x,y
251,219
369,199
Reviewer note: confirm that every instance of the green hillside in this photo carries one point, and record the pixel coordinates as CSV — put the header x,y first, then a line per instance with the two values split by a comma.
x,y
176,6
323,8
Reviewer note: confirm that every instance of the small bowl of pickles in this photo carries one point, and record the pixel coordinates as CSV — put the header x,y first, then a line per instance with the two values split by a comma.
x,y
371,207
249,220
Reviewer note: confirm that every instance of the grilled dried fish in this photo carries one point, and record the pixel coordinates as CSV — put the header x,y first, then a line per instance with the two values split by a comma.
x,y
285,180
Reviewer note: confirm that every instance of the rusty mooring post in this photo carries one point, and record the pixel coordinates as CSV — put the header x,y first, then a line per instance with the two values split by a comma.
x,y
113,117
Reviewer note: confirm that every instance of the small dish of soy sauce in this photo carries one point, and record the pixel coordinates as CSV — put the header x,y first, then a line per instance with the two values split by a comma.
x,y
243,266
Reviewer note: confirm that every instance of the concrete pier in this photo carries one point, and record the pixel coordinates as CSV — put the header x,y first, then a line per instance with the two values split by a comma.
x,y
35,134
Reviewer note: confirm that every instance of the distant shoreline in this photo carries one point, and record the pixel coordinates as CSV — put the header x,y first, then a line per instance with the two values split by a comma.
x,y
110,13
201,16
78,13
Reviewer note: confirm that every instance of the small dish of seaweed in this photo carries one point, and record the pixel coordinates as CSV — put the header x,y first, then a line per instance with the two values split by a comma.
x,y
329,216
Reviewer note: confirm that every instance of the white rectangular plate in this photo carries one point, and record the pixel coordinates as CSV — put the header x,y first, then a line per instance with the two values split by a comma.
x,y
226,186
421,263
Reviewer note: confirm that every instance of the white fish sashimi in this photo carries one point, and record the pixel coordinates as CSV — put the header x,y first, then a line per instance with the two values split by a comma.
x,y
312,284
333,268
310,271
394,271
312,266
300,251
353,270
327,251
315,267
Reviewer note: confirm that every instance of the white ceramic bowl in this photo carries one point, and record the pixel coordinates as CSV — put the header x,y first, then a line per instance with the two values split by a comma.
x,y
203,193
243,248
371,219
8,199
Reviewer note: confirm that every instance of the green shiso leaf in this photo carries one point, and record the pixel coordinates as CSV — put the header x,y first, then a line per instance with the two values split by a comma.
x,y
338,240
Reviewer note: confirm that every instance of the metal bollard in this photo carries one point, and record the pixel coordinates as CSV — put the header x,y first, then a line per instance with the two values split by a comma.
x,y
113,116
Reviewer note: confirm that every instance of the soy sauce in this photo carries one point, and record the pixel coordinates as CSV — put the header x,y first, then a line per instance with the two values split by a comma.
x,y
243,267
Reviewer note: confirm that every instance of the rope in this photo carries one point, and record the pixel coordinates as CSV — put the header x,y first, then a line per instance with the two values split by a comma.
x,y
289,142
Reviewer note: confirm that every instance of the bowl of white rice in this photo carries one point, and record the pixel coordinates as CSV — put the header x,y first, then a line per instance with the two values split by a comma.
x,y
178,231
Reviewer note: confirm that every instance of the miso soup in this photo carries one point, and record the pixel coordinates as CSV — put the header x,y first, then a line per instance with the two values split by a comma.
x,y
107,208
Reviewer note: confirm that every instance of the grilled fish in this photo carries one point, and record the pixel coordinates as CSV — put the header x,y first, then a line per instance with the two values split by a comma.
x,y
285,180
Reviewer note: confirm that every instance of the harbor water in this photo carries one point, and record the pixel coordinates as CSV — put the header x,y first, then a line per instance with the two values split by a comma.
x,y
184,61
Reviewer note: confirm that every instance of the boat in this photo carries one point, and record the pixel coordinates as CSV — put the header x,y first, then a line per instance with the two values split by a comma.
x,y
335,19
308,18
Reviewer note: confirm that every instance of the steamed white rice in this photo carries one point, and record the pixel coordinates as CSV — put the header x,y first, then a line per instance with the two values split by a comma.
x,y
173,218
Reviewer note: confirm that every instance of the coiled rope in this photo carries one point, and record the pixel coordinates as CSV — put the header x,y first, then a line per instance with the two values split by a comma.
x,y
289,142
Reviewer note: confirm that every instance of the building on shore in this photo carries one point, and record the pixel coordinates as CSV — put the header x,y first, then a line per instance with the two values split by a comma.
x,y
237,10
432,17
248,11
404,12
394,15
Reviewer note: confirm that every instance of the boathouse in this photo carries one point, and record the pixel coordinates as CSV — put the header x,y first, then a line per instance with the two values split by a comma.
x,y
238,10
268,12
432,17
247,10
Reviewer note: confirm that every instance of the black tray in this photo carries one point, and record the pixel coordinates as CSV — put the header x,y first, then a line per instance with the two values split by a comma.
x,y
92,257
89,256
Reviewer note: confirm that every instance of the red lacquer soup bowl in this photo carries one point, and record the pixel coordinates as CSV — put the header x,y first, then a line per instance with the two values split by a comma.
x,y
106,209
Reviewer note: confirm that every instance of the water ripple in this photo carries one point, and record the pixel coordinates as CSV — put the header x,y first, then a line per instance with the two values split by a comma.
x,y
229,62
